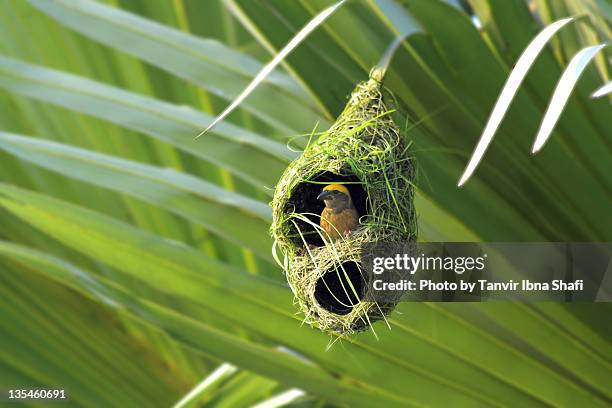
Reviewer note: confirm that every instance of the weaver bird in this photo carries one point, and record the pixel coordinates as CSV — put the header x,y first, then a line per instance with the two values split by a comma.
x,y
339,217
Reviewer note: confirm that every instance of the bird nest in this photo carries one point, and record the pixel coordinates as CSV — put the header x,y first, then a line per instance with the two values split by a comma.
x,y
365,152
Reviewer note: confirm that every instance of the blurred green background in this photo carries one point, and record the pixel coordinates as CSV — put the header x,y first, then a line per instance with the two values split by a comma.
x,y
135,262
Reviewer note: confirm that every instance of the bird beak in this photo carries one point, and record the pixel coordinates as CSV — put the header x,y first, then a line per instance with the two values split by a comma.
x,y
324,195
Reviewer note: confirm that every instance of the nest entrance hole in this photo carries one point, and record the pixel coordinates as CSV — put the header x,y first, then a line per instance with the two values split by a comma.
x,y
341,288
304,201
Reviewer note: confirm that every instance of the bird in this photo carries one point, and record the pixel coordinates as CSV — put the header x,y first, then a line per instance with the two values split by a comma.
x,y
339,217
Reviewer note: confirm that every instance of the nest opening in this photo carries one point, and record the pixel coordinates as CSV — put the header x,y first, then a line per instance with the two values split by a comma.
x,y
341,288
303,200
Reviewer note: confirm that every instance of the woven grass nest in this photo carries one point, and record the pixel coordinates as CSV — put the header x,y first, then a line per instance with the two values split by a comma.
x,y
364,151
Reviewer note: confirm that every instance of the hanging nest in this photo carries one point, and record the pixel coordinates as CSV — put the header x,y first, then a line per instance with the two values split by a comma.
x,y
365,152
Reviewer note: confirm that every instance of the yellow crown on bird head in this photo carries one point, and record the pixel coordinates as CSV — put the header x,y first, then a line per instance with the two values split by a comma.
x,y
337,187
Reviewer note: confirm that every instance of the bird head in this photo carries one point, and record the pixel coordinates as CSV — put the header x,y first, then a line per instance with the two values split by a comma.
x,y
335,196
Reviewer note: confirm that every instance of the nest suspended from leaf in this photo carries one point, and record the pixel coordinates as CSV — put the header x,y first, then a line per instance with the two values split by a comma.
x,y
364,151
